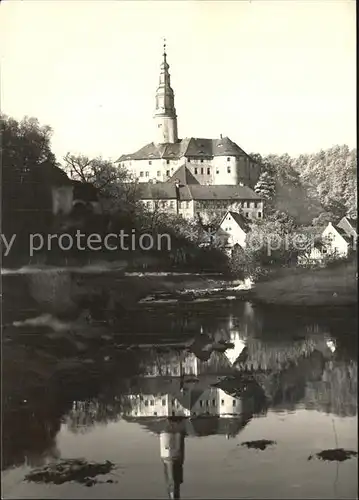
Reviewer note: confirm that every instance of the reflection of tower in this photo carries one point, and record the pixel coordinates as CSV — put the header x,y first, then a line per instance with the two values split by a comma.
x,y
172,455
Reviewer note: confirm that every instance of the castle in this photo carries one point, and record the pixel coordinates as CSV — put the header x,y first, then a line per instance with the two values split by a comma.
x,y
191,174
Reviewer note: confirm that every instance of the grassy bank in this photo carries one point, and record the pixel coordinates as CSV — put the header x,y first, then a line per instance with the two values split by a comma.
x,y
332,286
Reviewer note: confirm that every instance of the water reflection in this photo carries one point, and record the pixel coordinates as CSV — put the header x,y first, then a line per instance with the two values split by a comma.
x,y
179,374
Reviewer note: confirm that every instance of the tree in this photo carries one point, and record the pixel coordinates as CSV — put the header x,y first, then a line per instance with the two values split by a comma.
x,y
26,194
265,186
117,190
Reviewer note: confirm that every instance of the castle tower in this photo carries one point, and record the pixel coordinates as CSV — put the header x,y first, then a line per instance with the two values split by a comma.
x,y
165,114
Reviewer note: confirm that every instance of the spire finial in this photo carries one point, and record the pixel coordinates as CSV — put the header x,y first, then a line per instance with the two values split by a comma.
x,y
164,46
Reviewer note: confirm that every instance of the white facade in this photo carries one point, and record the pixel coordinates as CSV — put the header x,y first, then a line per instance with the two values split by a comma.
x,y
213,401
336,244
232,231
217,170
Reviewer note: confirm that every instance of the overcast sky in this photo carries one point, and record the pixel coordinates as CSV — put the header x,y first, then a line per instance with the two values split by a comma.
x,y
274,76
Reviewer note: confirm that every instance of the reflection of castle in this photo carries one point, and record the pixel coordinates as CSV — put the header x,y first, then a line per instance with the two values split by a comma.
x,y
182,385
176,397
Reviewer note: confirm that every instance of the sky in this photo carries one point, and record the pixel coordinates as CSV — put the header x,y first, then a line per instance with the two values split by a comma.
x,y
274,76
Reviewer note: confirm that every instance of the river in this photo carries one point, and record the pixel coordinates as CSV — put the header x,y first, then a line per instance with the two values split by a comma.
x,y
195,399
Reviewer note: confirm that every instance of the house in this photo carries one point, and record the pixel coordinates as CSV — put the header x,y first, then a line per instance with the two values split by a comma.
x,y
316,253
218,161
184,195
350,226
335,241
233,230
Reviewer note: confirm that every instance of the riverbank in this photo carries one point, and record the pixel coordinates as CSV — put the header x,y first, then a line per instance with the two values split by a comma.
x,y
332,286
59,287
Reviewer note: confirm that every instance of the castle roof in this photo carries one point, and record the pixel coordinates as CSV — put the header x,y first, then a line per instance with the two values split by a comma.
x,y
184,176
190,147
167,191
197,426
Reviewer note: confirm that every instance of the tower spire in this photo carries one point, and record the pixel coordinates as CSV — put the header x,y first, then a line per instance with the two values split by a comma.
x,y
165,114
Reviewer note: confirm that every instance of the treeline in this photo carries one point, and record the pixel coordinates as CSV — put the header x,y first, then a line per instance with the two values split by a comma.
x,y
29,171
317,187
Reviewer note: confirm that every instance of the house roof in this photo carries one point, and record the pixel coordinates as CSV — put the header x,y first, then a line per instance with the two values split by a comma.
x,y
353,223
343,233
189,147
184,176
238,218
167,191
47,173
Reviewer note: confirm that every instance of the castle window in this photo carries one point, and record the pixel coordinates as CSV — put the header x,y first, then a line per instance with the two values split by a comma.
x,y
217,170
172,204
201,160
168,162
201,170
155,413
146,403
147,174
244,204
152,403
247,214
196,170
208,171
167,173
158,173
259,215
189,160
228,170
234,402
163,402
222,402
228,159
149,162
141,174
214,402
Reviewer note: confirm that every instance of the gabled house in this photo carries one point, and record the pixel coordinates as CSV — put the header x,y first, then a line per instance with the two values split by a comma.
x,y
233,230
335,241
